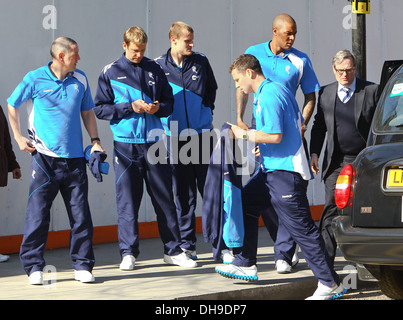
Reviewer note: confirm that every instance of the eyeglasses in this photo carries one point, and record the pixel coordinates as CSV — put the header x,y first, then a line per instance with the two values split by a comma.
x,y
347,71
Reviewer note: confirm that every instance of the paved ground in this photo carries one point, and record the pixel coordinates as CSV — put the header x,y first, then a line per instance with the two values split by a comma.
x,y
368,293
152,279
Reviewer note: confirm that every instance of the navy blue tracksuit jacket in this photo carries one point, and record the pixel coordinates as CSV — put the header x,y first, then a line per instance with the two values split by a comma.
x,y
222,201
123,82
194,88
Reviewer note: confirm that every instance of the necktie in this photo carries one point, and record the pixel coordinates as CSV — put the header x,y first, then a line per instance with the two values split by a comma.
x,y
347,93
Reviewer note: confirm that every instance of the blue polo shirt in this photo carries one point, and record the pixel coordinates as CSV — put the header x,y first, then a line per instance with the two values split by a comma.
x,y
54,110
291,68
276,112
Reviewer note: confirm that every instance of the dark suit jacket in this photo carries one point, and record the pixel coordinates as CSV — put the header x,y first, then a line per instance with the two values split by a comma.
x,y
8,161
366,97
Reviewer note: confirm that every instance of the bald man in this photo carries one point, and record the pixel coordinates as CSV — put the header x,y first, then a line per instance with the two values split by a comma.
x,y
56,96
284,64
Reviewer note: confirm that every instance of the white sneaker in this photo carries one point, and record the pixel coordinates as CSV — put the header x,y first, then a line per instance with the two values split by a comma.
x,y
84,276
226,256
36,278
191,254
4,258
324,292
235,272
282,266
127,262
181,260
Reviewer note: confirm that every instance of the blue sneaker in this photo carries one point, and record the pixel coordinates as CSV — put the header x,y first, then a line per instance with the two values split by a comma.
x,y
235,272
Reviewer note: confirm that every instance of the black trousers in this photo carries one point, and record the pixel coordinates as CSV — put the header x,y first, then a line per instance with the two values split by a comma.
x,y
330,208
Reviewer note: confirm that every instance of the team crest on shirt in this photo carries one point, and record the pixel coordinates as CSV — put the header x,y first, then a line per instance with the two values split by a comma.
x,y
152,81
194,76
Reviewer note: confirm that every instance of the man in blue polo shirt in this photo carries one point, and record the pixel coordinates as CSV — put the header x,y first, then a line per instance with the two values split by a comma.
x,y
56,96
285,172
284,64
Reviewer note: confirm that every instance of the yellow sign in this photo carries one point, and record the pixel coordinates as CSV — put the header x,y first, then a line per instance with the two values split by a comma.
x,y
395,178
361,6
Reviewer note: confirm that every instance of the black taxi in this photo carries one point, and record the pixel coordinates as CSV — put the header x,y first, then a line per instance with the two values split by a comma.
x,y
369,193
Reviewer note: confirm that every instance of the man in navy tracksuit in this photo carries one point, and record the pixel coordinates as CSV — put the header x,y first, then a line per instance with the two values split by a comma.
x,y
194,87
133,94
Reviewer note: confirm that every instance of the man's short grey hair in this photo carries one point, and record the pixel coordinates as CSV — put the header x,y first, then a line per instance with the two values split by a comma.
x,y
61,44
343,54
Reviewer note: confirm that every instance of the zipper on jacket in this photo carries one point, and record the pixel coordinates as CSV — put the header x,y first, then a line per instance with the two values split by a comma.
x,y
184,100
142,79
145,121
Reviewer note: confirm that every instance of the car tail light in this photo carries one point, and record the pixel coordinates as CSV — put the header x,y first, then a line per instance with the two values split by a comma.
x,y
344,191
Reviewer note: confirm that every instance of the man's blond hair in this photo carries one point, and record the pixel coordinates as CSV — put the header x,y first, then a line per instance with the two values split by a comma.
x,y
177,27
136,35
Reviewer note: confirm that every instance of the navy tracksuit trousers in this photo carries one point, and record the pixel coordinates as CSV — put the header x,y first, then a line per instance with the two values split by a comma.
x,y
284,245
133,168
187,179
286,192
50,175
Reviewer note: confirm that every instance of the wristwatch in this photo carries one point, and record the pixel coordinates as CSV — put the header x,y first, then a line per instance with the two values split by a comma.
x,y
245,135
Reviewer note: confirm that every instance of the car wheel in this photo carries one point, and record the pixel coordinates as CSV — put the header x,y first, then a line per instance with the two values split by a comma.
x,y
391,282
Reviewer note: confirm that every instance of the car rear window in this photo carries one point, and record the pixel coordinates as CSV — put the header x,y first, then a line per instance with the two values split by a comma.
x,y
389,115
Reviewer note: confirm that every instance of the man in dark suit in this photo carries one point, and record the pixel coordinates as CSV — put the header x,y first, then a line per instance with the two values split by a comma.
x,y
344,111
